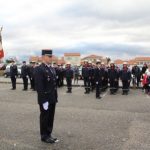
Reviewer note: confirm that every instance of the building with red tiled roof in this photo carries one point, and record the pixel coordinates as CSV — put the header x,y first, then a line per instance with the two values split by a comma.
x,y
137,60
118,62
39,58
73,58
142,60
72,54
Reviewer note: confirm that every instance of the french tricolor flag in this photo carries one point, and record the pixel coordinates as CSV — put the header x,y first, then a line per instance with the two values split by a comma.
x,y
1,48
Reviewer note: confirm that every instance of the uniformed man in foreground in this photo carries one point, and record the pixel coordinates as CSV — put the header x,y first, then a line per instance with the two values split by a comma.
x,y
45,82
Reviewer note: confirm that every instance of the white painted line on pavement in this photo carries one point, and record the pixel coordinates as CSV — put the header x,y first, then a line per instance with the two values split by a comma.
x,y
103,95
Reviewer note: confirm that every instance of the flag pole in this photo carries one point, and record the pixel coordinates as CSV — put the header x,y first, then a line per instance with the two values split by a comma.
x,y
1,28
0,34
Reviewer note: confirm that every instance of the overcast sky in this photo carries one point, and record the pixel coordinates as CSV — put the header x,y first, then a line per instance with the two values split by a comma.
x,y
114,28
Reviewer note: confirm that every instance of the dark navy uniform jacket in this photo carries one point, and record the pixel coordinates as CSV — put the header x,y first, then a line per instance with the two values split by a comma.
x,y
113,74
125,74
13,71
24,71
98,75
69,73
85,72
45,83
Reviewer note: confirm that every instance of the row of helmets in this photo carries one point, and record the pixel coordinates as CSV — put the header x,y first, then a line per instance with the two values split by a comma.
x,y
112,62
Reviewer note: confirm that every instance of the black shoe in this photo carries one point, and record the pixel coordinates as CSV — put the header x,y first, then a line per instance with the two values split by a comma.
x,y
48,140
24,89
98,97
86,92
13,88
55,139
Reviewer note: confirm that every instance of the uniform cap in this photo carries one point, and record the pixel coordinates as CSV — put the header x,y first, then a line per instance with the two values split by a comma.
x,y
47,52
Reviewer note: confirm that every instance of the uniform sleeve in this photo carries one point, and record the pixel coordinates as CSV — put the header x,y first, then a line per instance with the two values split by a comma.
x,y
38,80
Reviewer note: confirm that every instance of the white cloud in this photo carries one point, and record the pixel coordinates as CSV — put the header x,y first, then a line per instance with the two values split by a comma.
x,y
99,26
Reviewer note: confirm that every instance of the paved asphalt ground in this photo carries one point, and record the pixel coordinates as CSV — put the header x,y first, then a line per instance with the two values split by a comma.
x,y
116,122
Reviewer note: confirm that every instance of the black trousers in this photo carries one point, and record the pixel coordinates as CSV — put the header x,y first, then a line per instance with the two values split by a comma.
x,y
46,120
13,81
87,83
76,78
113,86
61,81
32,82
138,80
69,83
98,89
125,86
25,82
92,83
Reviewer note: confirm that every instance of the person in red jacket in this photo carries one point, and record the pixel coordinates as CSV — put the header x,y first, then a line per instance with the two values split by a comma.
x,y
144,82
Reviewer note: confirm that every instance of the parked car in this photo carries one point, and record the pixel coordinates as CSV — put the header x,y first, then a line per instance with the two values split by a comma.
x,y
2,66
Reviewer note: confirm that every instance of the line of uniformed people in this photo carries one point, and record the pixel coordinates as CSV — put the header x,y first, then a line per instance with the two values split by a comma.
x,y
27,73
99,76
94,76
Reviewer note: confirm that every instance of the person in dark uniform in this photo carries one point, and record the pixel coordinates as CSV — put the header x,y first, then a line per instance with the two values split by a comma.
x,y
144,68
13,74
103,70
98,79
55,66
113,77
125,76
31,74
76,74
62,72
91,76
59,76
69,77
45,82
24,75
86,76
106,79
136,72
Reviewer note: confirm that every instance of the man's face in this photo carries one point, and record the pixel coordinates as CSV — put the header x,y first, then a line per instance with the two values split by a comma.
x,y
124,65
47,59
98,65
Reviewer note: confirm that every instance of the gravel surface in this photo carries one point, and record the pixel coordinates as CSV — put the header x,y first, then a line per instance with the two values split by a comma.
x,y
115,122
